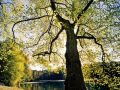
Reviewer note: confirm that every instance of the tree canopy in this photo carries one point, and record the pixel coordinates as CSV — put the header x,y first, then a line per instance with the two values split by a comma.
x,y
90,29
41,26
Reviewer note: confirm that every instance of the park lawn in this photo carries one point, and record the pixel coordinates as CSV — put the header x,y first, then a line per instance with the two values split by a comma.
x,y
9,88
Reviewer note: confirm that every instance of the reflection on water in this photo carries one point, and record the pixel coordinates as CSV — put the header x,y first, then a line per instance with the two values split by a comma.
x,y
44,86
56,86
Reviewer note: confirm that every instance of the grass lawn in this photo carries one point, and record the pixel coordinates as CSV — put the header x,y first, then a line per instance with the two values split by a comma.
x,y
9,88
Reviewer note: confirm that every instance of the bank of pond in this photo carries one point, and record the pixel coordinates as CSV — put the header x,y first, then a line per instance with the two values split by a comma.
x,y
57,85
10,88
53,85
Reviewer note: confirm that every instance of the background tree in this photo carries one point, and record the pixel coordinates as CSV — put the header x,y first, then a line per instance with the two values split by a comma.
x,y
12,64
109,78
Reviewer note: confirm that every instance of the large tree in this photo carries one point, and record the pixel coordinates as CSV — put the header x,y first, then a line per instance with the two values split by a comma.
x,y
74,78
75,19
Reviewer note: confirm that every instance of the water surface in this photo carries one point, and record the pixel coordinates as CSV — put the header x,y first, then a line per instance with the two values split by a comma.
x,y
55,85
43,85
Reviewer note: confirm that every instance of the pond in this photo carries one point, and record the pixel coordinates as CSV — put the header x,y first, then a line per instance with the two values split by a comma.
x,y
54,85
44,85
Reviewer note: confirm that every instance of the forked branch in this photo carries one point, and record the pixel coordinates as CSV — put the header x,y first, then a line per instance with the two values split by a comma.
x,y
84,10
91,37
61,19
51,45
30,19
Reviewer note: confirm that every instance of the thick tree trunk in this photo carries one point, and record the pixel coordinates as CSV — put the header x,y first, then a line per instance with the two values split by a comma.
x,y
74,79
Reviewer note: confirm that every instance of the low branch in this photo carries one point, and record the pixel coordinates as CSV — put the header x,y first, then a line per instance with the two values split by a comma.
x,y
39,38
30,19
84,37
51,44
47,31
98,27
95,40
55,38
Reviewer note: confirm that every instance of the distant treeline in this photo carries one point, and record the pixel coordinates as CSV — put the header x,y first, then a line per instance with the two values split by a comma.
x,y
46,75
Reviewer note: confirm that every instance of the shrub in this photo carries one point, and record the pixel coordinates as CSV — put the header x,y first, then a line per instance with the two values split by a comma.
x,y
13,63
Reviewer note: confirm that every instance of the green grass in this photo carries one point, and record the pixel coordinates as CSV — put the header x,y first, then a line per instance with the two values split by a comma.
x,y
9,88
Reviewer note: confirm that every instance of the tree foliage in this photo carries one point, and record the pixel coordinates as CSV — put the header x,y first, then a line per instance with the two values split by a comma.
x,y
41,26
34,30
13,63
107,75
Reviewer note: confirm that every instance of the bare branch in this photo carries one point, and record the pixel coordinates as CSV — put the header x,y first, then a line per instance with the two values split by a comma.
x,y
98,27
77,30
80,43
95,40
44,7
38,39
61,19
60,56
62,4
53,5
84,37
51,44
30,19
50,25
47,31
68,3
55,39
84,10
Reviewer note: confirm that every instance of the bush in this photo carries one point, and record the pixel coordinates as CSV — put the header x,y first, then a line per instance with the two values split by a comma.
x,y
12,63
103,74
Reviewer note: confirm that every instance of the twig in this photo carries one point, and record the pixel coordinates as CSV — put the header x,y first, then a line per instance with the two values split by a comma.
x,y
51,44
35,18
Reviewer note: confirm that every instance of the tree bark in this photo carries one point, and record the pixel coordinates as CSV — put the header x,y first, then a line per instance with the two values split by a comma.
x,y
74,78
